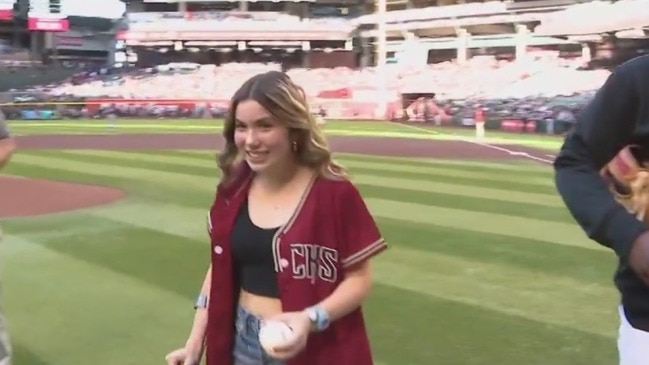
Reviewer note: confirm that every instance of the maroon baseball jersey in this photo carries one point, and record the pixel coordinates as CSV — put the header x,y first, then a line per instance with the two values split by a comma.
x,y
331,231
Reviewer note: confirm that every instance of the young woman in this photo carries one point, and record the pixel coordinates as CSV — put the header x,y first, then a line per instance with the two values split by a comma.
x,y
291,240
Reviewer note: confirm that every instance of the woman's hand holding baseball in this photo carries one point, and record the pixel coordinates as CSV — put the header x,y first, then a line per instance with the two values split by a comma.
x,y
300,323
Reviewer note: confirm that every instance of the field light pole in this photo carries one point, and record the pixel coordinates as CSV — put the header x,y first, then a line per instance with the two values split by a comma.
x,y
381,56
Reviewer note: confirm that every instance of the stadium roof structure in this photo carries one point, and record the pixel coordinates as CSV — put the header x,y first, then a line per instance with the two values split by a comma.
x,y
488,24
596,17
495,40
245,26
534,5
492,17
435,13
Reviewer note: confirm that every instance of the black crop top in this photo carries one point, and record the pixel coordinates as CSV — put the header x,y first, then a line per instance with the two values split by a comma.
x,y
253,255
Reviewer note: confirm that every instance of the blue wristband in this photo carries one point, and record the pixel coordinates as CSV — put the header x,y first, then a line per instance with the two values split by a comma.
x,y
201,302
319,317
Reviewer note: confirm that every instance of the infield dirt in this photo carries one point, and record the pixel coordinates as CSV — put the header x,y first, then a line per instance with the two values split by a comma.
x,y
24,197
383,146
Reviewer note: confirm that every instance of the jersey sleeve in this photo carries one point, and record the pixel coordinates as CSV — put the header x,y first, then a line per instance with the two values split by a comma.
x,y
359,234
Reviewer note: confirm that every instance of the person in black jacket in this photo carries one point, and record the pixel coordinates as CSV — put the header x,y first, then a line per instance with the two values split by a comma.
x,y
617,116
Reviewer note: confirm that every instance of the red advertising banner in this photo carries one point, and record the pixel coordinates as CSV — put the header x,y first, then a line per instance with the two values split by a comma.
x,y
48,24
517,125
6,15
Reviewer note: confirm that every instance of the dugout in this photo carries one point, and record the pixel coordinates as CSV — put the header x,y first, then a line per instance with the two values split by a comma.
x,y
408,98
416,101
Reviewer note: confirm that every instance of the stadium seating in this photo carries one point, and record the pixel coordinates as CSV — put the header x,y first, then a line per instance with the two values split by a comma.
x,y
505,89
480,78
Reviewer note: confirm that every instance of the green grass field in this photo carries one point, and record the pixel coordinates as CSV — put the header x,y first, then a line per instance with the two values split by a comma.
x,y
474,274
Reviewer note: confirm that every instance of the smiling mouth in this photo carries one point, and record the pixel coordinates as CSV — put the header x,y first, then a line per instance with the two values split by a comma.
x,y
256,156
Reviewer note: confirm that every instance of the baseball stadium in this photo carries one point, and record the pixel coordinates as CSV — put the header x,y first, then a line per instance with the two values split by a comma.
x,y
117,110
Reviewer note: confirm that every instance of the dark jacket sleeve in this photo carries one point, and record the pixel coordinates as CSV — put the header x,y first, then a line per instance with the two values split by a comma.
x,y
604,127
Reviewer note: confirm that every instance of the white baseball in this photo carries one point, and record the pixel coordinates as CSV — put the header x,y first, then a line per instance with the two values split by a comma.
x,y
274,333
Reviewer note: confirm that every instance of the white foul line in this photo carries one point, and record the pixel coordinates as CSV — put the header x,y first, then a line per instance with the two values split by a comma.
x,y
487,145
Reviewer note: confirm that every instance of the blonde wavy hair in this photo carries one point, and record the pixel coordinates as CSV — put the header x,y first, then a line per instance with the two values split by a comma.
x,y
627,176
286,102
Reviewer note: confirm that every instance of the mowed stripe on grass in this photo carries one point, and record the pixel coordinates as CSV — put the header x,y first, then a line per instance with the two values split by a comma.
x,y
512,282
180,175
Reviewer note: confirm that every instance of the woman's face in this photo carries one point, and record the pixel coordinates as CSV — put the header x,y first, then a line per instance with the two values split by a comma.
x,y
261,140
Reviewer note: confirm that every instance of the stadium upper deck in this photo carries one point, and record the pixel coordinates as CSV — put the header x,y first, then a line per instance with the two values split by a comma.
x,y
330,33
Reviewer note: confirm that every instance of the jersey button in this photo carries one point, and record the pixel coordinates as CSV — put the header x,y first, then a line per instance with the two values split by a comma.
x,y
283,263
218,250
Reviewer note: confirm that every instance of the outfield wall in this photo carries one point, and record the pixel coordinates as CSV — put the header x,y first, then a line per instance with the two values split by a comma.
x,y
335,109
339,109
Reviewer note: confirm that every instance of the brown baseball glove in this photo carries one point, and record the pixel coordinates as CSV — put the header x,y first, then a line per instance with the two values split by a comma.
x,y
627,175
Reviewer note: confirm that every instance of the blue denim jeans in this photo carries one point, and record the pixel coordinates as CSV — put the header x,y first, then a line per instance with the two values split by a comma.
x,y
247,349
